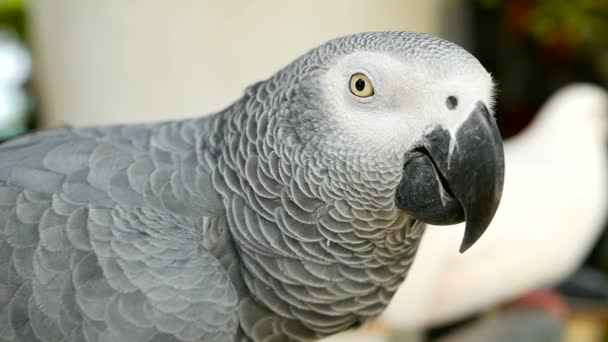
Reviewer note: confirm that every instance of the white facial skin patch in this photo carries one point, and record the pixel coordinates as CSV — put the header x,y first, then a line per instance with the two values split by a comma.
x,y
410,97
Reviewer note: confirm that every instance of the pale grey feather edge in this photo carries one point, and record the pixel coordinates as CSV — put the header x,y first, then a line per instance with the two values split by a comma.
x,y
70,271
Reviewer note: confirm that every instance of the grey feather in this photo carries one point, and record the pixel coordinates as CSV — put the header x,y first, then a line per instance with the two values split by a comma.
x,y
89,195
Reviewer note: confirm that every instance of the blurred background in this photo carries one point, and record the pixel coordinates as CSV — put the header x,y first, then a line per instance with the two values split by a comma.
x,y
75,62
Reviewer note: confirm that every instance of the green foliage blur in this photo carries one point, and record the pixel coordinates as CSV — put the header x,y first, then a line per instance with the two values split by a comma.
x,y
563,27
17,101
12,17
578,21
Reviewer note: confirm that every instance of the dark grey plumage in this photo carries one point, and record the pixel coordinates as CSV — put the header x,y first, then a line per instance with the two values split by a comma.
x,y
253,223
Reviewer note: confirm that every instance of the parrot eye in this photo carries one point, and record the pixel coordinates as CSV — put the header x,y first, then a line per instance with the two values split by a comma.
x,y
361,86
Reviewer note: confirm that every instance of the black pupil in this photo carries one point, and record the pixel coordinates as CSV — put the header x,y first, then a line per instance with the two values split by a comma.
x,y
360,84
451,102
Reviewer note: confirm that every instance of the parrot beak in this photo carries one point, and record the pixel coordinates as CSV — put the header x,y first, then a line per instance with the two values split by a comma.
x,y
448,180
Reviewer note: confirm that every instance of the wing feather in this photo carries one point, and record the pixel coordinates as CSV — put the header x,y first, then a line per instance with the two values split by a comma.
x,y
100,235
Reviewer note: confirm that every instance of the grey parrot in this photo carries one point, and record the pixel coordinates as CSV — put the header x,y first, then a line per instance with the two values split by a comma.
x,y
292,214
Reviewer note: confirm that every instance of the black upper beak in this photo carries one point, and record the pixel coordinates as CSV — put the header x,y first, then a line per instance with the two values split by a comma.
x,y
449,180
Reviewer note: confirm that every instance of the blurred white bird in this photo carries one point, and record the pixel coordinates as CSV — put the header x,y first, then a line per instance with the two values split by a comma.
x,y
552,211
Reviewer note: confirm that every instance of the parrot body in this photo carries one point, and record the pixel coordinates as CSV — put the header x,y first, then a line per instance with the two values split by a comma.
x,y
267,221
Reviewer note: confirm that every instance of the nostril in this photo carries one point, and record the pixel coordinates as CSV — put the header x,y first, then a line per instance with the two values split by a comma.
x,y
451,102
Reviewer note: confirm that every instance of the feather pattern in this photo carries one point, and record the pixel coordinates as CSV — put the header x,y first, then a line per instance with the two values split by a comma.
x,y
322,246
101,238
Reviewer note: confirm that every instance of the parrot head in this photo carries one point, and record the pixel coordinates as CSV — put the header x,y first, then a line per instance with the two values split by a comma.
x,y
398,121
